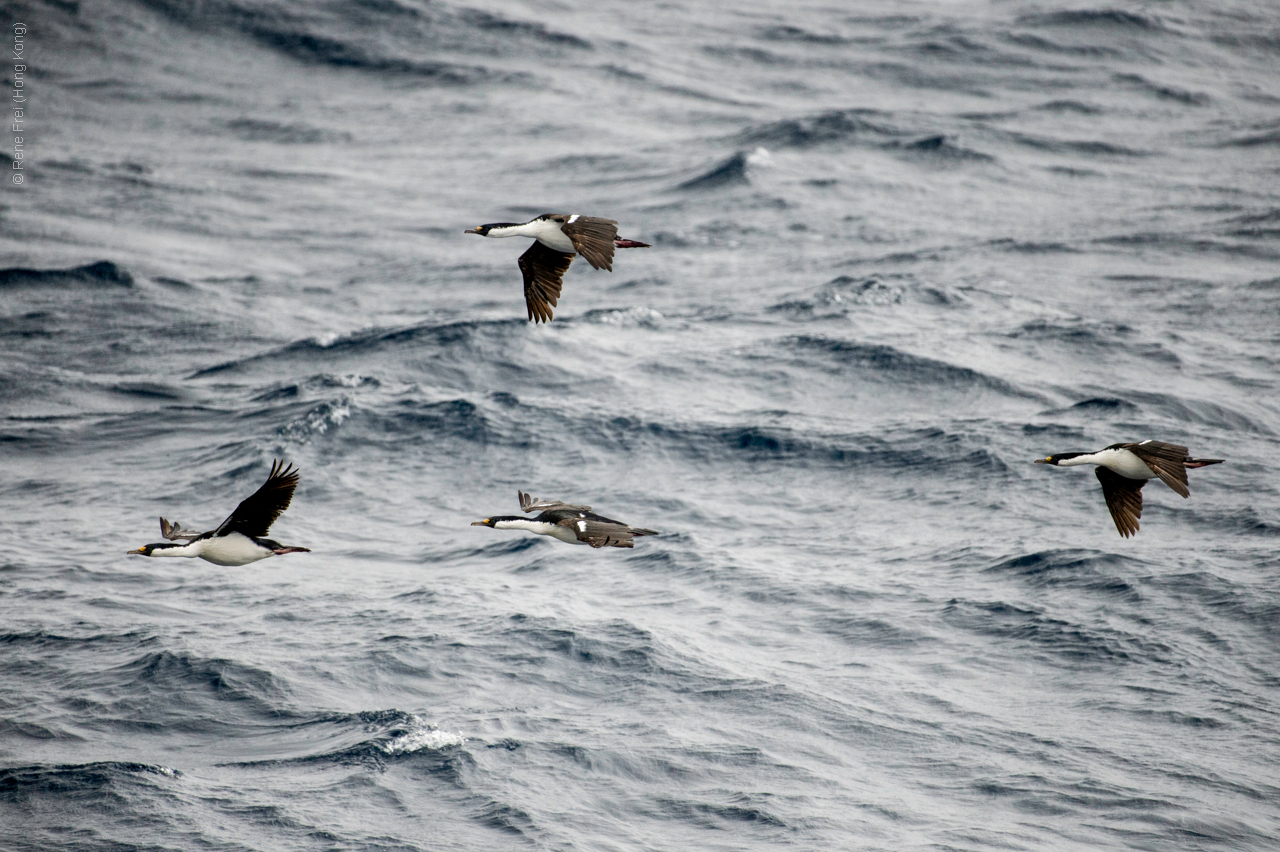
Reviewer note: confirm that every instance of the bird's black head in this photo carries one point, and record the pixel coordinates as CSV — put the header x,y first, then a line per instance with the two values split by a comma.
x,y
488,522
150,549
483,230
1058,457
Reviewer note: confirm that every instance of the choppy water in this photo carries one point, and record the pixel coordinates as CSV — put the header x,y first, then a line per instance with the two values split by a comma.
x,y
899,250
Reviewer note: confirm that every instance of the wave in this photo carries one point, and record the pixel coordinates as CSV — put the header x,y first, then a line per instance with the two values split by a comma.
x,y
1087,570
385,37
712,444
1105,18
880,362
1109,338
1035,628
940,148
616,645
48,639
1255,140
104,272
849,125
1083,147
1104,405
173,690
1264,226
474,339
295,133
1164,92
1066,105
788,33
86,781
32,731
368,738
730,172
839,296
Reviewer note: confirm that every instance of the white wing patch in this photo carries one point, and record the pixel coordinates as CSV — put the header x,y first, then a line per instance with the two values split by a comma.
x,y
582,526
573,218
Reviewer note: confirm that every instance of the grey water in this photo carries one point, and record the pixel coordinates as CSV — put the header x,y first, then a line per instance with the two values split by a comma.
x,y
899,250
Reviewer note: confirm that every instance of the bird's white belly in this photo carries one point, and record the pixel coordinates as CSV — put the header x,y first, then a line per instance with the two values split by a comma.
x,y
1125,463
550,235
564,534
557,241
234,549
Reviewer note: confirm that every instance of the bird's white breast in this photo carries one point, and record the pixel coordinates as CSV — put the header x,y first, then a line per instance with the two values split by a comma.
x,y
550,235
233,549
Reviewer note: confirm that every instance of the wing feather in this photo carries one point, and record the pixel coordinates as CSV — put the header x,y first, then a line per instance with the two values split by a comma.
x,y
257,512
600,533
174,531
1124,499
532,504
593,238
1167,461
543,268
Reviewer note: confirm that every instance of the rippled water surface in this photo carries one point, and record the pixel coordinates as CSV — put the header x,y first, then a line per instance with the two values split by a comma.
x,y
899,250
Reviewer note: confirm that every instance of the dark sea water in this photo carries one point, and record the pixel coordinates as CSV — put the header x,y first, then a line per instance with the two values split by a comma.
x,y
900,249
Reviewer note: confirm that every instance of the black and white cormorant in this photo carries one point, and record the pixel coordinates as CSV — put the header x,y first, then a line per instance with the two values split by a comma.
x,y
557,237
572,524
239,539
1124,468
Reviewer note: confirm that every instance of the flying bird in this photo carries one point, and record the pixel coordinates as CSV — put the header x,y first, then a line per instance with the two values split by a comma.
x,y
240,539
572,524
1124,468
557,237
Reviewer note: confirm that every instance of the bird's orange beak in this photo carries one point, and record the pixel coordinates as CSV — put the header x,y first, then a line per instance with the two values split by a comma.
x,y
483,523
473,231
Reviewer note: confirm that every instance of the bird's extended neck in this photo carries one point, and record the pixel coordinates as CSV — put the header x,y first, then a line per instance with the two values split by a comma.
x,y
1083,458
535,229
511,523
189,550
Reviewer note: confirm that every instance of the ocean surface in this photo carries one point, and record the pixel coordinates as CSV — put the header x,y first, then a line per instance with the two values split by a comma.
x,y
899,250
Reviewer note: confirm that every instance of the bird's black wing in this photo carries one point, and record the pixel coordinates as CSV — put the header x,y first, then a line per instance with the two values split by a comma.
x,y
1124,499
256,513
1167,461
542,268
593,238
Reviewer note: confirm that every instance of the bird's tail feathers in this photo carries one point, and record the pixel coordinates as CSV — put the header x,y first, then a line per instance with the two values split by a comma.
x,y
619,243
1202,462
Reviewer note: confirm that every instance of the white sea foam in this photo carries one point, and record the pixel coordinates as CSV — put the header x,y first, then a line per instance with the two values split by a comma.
x,y
419,735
